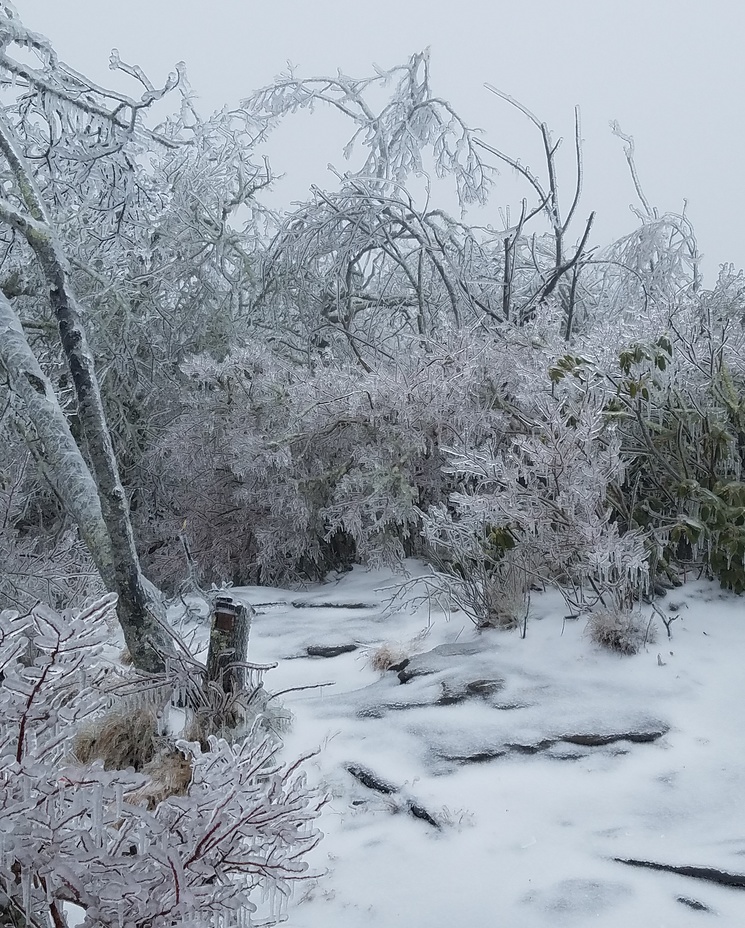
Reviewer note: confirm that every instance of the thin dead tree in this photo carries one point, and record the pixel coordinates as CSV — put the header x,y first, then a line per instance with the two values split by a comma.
x,y
566,262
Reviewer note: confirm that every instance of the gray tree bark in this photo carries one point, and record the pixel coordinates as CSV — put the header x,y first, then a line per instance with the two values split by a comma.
x,y
45,429
140,610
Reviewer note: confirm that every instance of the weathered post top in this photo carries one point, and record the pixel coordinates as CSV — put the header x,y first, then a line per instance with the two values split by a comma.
x,y
226,613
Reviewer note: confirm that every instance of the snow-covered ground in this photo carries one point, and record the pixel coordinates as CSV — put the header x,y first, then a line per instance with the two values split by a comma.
x,y
521,768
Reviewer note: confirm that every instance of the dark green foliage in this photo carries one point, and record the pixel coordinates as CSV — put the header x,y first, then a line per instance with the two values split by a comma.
x,y
680,410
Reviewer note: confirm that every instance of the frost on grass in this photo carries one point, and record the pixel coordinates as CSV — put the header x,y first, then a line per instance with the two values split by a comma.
x,y
392,653
225,851
624,632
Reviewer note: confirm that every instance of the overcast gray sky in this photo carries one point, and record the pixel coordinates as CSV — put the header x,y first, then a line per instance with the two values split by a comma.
x,y
672,72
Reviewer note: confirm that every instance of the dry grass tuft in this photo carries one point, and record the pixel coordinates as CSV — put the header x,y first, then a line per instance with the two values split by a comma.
x,y
389,655
129,738
119,739
170,775
503,604
623,632
503,617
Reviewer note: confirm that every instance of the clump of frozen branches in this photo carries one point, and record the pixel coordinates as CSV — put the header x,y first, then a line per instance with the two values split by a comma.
x,y
413,121
283,471
38,566
537,512
233,843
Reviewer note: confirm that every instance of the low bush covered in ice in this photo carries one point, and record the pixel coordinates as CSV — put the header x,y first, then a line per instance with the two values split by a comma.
x,y
222,840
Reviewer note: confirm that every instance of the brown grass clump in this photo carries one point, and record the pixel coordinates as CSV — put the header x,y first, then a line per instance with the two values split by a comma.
x,y
503,618
623,632
123,739
119,739
170,775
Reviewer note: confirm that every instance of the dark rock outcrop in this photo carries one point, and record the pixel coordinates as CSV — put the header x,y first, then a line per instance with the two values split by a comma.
x,y
329,650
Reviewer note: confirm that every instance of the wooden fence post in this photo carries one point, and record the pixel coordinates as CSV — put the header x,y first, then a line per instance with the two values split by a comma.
x,y
229,631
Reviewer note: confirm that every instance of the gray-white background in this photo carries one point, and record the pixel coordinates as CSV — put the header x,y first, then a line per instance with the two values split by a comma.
x,y
671,71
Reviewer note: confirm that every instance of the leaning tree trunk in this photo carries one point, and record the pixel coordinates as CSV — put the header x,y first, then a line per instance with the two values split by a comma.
x,y
45,429
140,610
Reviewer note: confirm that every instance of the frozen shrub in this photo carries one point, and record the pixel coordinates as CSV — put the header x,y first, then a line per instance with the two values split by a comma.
x,y
213,836
275,471
536,511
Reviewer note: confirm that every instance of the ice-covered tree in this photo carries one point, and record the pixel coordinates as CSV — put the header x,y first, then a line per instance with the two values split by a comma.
x,y
96,202
60,131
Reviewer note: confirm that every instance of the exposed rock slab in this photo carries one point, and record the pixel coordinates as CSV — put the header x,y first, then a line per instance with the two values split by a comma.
x,y
441,658
553,745
329,650
372,781
693,904
329,604
710,874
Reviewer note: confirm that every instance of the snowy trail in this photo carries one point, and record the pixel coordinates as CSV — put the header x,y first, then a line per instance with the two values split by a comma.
x,y
528,837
